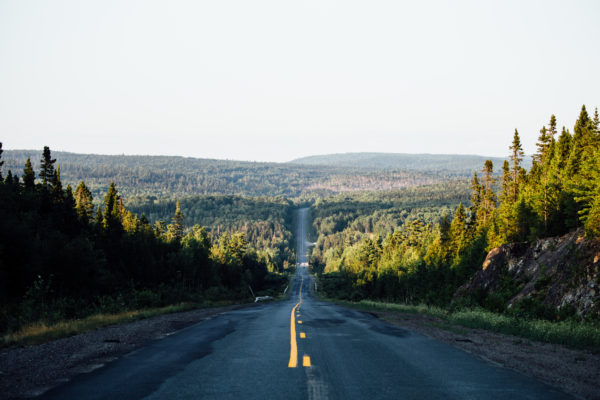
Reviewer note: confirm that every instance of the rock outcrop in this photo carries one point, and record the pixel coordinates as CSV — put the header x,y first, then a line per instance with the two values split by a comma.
x,y
559,272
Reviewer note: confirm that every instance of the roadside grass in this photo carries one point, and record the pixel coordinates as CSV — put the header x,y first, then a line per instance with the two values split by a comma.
x,y
40,332
571,333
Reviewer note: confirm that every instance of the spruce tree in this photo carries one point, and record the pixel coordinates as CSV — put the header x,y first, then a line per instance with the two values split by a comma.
x,y
516,156
84,202
488,197
57,190
505,190
1,162
111,218
476,194
175,230
458,232
47,174
28,175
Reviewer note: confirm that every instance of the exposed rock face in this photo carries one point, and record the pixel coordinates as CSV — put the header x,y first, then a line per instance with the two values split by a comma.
x,y
560,272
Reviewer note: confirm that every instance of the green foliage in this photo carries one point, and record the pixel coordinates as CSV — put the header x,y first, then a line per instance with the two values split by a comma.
x,y
265,221
425,258
56,263
570,332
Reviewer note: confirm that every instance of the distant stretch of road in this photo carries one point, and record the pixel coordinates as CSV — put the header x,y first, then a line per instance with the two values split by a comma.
x,y
300,348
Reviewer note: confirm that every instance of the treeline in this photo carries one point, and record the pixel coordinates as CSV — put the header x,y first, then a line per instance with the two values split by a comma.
x,y
266,222
176,177
345,220
422,262
63,257
458,165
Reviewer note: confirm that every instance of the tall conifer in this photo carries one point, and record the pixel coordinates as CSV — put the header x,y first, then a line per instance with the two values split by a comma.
x,y
1,162
84,202
516,156
28,175
47,174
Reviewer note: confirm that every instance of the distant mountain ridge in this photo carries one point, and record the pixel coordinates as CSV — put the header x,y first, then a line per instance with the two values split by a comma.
x,y
451,163
173,176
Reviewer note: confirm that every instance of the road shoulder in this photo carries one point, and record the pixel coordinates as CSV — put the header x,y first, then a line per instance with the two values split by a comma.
x,y
31,370
574,371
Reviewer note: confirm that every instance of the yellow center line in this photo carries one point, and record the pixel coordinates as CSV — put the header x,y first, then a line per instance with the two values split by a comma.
x,y
302,335
293,363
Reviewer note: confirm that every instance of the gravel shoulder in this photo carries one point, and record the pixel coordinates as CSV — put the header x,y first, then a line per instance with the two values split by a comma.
x,y
27,372
574,371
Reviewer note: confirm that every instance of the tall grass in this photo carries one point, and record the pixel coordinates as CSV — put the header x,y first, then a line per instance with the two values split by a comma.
x,y
39,332
572,333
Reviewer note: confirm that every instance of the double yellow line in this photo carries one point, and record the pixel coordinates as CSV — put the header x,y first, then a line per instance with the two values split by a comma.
x,y
293,363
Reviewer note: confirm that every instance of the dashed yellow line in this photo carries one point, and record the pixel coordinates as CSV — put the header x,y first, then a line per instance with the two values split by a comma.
x,y
306,361
302,335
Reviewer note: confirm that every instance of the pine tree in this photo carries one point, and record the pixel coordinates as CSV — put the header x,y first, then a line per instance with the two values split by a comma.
x,y
476,194
111,218
84,202
57,190
458,232
505,193
516,156
488,198
28,175
47,173
177,227
542,144
1,162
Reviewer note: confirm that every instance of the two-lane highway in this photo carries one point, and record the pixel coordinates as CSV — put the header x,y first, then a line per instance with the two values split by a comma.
x,y
297,349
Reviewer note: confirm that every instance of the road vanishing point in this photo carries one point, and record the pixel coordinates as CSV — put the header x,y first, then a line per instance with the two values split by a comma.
x,y
300,348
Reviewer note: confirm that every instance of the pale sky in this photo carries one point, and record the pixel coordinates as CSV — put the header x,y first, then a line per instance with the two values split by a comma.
x,y
275,80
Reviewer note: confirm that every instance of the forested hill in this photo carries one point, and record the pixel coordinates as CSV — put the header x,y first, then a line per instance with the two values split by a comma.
x,y
452,164
172,177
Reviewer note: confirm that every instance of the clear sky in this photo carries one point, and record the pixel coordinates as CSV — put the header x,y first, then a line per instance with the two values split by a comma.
x,y
275,80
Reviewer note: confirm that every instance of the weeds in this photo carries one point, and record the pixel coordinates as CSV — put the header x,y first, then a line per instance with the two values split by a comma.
x,y
40,332
571,333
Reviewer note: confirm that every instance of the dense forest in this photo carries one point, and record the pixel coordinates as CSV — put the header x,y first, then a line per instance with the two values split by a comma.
x,y
63,257
266,222
345,220
175,177
426,258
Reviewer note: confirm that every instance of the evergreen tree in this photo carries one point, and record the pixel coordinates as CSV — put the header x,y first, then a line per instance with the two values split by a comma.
x,y
28,175
84,202
476,195
1,162
458,232
57,190
175,230
488,198
516,156
111,218
47,173
505,193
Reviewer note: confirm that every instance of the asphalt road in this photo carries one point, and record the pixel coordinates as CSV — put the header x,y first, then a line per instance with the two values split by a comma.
x,y
298,349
